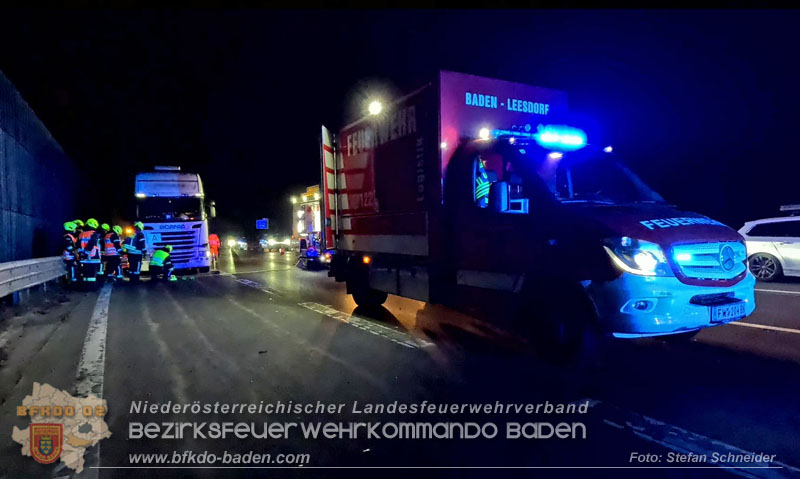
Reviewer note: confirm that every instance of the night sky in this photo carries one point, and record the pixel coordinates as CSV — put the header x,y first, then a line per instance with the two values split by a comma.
x,y
702,105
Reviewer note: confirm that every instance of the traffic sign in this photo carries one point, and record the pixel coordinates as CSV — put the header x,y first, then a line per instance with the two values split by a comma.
x,y
262,224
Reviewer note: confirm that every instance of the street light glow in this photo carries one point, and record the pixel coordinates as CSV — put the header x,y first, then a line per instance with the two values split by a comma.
x,y
375,107
483,134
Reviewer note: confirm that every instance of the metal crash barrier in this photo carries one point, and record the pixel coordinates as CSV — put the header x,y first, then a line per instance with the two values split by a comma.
x,y
19,275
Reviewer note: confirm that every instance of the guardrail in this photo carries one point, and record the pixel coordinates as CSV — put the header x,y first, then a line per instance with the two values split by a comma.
x,y
18,275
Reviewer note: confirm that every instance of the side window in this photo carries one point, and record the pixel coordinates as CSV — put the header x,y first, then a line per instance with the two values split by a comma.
x,y
780,229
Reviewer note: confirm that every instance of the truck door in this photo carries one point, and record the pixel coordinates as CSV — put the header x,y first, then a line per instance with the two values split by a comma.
x,y
496,238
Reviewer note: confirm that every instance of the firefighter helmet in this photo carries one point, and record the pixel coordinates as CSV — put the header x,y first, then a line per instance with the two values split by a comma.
x,y
70,226
105,227
92,223
139,225
78,223
168,248
117,229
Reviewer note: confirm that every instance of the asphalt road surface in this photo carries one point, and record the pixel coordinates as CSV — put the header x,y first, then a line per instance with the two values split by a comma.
x,y
265,331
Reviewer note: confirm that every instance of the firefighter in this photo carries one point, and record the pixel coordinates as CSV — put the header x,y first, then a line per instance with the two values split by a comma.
x,y
135,247
213,245
90,251
161,264
79,228
69,251
101,233
111,253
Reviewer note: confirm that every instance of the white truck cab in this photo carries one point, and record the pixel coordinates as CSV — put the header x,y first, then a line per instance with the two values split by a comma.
x,y
172,206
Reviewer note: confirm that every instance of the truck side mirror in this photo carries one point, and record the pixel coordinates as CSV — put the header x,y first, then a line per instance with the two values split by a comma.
x,y
498,196
212,209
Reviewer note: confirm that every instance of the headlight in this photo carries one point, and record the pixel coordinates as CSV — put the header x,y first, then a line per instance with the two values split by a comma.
x,y
271,242
637,256
231,243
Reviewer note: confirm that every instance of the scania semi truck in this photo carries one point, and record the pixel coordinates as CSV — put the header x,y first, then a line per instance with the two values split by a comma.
x,y
171,204
475,190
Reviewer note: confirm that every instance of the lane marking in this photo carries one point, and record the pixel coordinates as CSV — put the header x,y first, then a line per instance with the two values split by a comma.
x,y
398,337
764,326
91,370
256,285
685,442
779,291
91,366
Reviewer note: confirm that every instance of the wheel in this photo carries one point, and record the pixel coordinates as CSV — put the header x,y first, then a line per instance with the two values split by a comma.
x,y
765,267
369,298
556,322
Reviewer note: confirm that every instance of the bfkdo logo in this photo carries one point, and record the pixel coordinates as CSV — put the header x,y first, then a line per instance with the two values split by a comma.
x,y
46,441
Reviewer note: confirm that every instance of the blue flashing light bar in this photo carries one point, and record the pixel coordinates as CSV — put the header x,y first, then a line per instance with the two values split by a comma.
x,y
551,137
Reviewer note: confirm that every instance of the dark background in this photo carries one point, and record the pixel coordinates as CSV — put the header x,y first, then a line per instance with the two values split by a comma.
x,y
702,104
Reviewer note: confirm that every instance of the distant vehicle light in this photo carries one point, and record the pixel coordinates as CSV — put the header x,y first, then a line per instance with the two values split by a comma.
x,y
483,133
231,243
608,149
294,199
128,231
511,141
141,195
366,259
271,242
316,196
375,108
300,213
443,145
555,155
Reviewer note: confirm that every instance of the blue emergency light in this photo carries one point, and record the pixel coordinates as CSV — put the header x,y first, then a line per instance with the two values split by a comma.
x,y
551,137
562,138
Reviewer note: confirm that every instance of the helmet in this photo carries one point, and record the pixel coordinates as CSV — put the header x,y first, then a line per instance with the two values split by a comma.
x,y
139,225
117,229
168,248
70,226
105,227
78,223
91,223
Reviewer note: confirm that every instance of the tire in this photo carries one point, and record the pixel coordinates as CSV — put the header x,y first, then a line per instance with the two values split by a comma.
x,y
556,322
765,267
369,298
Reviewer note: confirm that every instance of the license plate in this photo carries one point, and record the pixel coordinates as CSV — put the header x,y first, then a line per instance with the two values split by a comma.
x,y
727,312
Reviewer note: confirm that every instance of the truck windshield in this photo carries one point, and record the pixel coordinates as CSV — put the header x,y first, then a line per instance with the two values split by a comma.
x,y
170,209
599,179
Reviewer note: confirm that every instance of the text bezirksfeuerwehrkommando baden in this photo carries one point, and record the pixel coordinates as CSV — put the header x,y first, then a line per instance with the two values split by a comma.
x,y
417,429
356,407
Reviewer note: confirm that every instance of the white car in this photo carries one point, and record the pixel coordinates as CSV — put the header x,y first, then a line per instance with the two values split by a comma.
x,y
773,247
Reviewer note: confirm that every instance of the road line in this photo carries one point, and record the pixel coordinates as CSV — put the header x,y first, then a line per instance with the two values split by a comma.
x,y
256,285
685,442
398,337
779,291
767,327
91,367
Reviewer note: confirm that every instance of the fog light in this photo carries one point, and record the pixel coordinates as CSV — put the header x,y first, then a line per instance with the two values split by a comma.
x,y
641,305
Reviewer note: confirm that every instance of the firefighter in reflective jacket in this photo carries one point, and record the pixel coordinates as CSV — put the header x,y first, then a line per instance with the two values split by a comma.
x,y
135,247
89,250
161,264
111,252
69,251
102,232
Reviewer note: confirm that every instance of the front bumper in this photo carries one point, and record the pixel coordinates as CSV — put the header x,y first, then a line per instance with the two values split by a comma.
x,y
669,308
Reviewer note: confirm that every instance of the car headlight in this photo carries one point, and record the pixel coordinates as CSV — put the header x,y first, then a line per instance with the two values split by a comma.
x,y
231,243
637,256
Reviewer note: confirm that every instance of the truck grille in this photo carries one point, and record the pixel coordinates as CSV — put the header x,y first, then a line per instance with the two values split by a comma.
x,y
184,245
714,261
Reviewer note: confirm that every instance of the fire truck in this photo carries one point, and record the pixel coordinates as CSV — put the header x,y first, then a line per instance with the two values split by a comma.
x,y
475,190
